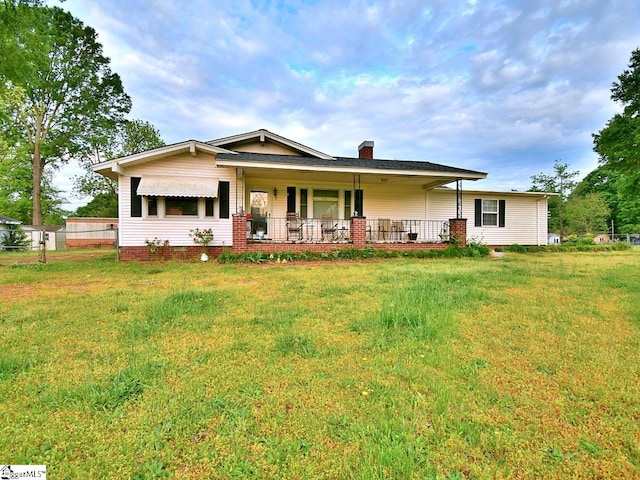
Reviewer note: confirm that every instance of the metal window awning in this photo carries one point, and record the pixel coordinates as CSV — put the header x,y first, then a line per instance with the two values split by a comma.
x,y
166,186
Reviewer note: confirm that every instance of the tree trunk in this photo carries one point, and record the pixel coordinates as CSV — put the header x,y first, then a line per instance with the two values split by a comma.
x,y
37,165
37,185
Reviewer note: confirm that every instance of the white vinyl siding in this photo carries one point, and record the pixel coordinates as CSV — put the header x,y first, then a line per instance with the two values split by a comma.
x,y
525,215
525,221
394,202
134,231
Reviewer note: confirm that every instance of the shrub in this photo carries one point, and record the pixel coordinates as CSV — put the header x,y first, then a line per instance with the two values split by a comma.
x,y
478,249
14,239
453,251
574,240
202,237
156,245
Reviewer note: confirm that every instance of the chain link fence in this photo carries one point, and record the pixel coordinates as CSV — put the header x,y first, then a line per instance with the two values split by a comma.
x,y
630,238
44,243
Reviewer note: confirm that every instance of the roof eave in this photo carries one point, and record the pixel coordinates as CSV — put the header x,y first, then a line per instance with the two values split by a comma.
x,y
503,192
111,167
344,169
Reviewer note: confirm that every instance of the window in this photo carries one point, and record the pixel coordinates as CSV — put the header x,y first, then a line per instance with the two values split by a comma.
x,y
181,206
489,213
303,203
359,203
208,207
347,204
325,202
152,206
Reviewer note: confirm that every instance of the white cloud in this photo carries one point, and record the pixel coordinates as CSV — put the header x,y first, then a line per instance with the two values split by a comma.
x,y
504,86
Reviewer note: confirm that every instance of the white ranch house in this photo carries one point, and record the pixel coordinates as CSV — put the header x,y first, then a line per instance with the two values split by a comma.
x,y
261,191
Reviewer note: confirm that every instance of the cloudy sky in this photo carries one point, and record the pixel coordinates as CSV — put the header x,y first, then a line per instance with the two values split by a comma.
x,y
501,86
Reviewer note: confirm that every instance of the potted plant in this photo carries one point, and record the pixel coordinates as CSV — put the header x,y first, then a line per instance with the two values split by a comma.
x,y
413,236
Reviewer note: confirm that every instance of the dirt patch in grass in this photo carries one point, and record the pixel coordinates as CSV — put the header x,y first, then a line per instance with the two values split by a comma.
x,y
48,289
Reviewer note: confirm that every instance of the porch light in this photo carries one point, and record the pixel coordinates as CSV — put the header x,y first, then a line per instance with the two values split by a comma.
x,y
275,193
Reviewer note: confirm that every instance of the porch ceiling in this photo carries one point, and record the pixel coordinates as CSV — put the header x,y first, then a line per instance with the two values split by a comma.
x,y
425,180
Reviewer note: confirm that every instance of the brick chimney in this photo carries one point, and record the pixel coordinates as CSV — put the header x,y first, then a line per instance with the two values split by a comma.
x,y
365,150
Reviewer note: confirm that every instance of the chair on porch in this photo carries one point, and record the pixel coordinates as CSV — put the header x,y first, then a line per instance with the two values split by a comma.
x,y
294,227
384,228
328,227
397,227
445,234
369,232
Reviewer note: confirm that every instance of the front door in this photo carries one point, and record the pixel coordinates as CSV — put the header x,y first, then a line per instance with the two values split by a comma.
x,y
259,204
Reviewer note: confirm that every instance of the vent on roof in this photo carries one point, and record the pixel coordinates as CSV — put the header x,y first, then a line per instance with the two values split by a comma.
x,y
365,150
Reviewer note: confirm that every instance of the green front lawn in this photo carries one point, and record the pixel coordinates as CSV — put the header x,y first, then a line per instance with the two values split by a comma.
x,y
525,366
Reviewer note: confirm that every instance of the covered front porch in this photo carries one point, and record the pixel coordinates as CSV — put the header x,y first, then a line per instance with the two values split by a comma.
x,y
357,233
302,209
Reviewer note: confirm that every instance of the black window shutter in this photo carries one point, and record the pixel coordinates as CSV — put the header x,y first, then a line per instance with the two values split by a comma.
x,y
291,199
223,199
359,203
478,212
501,212
304,195
136,200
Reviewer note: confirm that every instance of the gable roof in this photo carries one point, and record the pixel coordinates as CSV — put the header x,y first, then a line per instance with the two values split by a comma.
x,y
264,136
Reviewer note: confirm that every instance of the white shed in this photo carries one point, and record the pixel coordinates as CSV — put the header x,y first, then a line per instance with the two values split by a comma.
x,y
53,236
553,239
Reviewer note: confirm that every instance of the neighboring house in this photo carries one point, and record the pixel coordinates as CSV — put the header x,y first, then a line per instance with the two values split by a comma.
x,y
5,223
8,221
261,191
84,232
602,238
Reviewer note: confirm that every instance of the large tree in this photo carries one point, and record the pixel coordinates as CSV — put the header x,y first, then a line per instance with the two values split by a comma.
x,y
613,186
562,182
618,144
71,98
131,137
587,214
102,205
16,186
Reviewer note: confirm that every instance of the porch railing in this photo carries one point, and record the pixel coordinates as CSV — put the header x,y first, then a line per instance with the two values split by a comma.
x,y
300,230
338,231
390,230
